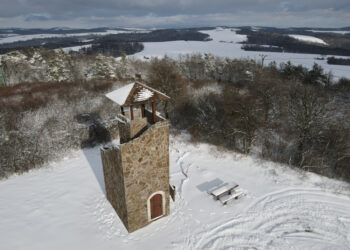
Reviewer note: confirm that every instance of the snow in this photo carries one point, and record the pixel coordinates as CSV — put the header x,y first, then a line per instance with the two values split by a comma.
x,y
225,35
224,188
76,48
16,38
36,58
143,95
16,57
343,32
309,39
225,44
63,206
119,96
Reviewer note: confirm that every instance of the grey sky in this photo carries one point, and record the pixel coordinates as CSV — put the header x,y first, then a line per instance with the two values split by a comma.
x,y
179,13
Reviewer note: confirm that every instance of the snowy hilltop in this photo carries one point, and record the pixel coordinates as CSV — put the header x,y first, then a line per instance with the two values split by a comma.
x,y
281,208
274,124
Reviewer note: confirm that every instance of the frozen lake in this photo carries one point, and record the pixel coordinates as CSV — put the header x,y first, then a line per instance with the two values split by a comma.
x,y
225,44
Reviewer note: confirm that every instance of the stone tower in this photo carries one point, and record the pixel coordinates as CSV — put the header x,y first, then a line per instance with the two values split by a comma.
x,y
136,171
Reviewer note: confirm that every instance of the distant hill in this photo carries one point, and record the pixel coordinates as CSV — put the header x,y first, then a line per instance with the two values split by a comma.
x,y
333,41
118,41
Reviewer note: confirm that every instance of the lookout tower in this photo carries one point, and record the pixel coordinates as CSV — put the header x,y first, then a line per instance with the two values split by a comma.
x,y
136,171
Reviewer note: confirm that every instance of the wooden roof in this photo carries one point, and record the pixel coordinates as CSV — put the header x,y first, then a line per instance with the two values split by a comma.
x,y
136,93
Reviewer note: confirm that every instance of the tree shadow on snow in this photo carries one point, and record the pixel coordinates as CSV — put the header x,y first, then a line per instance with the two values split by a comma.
x,y
98,134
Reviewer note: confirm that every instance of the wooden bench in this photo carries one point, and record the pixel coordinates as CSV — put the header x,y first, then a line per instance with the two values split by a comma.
x,y
234,195
226,189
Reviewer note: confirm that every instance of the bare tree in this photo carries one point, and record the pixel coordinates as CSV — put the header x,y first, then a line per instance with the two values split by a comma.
x,y
164,76
306,113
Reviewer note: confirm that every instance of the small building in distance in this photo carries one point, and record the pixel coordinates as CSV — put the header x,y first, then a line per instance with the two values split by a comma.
x,y
136,171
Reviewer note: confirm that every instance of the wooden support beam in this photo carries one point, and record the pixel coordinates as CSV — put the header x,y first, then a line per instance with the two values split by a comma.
x,y
131,112
154,112
143,110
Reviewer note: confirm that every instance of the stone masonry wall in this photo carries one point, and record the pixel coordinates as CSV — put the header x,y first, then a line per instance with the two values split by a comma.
x,y
145,163
136,126
114,181
128,129
124,128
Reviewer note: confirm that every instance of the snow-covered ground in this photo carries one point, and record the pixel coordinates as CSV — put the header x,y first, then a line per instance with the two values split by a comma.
x,y
309,39
15,37
225,44
75,48
331,31
63,206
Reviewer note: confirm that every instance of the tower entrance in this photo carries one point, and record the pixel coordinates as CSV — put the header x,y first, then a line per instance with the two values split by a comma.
x,y
156,206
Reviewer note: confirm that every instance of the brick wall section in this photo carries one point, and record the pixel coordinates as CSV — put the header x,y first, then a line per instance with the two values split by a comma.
x,y
145,163
114,181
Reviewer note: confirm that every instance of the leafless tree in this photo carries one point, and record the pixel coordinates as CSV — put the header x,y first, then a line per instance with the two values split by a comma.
x,y
164,76
306,113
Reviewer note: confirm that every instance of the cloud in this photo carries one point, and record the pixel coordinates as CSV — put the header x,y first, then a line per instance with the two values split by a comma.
x,y
37,17
180,13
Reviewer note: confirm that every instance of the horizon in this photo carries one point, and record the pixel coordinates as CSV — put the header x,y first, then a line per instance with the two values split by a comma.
x,y
178,27
167,14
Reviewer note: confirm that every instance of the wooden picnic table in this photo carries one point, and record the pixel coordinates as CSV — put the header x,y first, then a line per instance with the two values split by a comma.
x,y
227,188
235,195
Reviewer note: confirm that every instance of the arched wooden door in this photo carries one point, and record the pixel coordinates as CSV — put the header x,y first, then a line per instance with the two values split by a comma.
x,y
156,206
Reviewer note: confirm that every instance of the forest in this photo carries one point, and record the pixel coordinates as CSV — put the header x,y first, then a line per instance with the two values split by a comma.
x,y
337,44
338,61
111,44
284,113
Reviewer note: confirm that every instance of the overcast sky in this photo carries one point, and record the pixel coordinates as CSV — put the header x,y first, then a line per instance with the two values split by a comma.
x,y
176,13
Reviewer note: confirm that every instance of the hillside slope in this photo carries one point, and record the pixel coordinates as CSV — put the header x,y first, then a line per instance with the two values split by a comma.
x,y
63,206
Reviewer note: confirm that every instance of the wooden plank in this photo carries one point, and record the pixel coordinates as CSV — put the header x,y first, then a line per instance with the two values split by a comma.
x,y
235,195
143,110
131,112
154,112
157,96
224,189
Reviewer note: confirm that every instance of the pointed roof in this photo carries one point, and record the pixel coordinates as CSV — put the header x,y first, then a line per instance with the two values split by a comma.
x,y
136,93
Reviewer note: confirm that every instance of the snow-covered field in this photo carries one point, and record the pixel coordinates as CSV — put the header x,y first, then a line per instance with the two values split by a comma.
x,y
63,206
331,31
225,44
309,39
76,48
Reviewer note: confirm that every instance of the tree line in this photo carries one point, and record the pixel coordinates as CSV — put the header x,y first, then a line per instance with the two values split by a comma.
x,y
338,61
337,45
284,113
